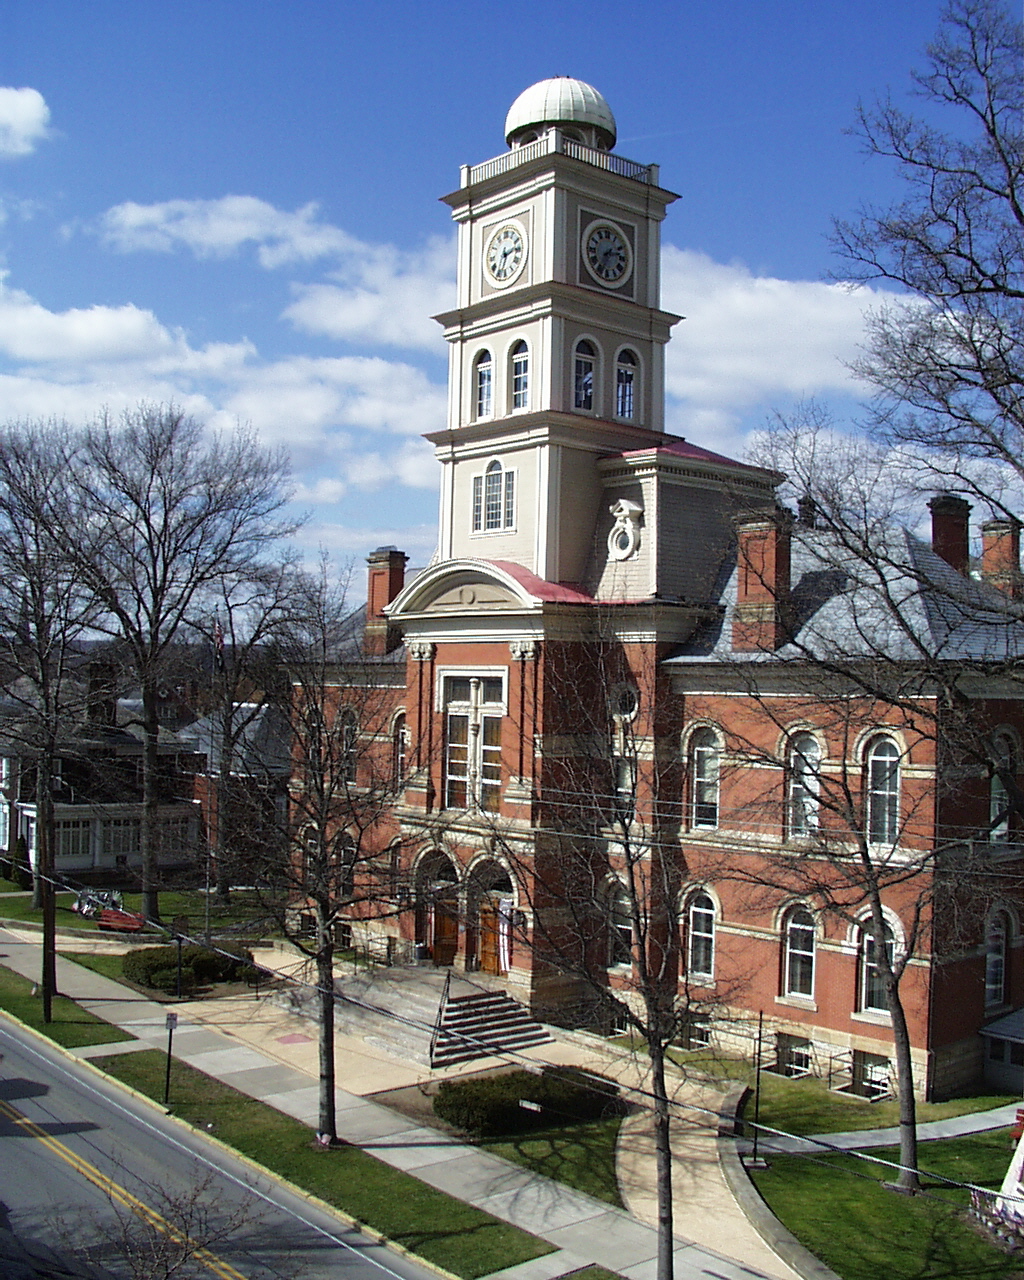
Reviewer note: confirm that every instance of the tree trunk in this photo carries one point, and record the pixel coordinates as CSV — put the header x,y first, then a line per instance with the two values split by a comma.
x,y
224,813
663,1151
150,800
44,880
325,994
908,1180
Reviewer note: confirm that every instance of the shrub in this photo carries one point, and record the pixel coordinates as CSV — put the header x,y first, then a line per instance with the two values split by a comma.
x,y
167,979
488,1106
142,964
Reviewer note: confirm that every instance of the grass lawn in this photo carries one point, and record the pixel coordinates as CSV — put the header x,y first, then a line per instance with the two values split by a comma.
x,y
8,886
839,1210
591,1273
109,966
244,909
808,1106
580,1155
438,1227
71,1026
21,909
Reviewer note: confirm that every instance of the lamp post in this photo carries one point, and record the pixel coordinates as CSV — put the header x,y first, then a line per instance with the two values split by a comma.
x,y
171,1023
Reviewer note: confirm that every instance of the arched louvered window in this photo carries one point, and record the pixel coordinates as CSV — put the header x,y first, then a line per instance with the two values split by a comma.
x,y
483,379
520,376
586,359
625,385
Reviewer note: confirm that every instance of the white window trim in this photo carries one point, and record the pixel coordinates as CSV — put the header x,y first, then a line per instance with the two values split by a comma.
x,y
476,712
478,492
707,975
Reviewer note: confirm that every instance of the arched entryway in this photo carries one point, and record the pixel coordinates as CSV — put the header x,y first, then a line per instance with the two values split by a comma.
x,y
437,907
490,904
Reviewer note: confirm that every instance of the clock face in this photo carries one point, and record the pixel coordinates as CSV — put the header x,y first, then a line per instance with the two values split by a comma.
x,y
606,253
505,254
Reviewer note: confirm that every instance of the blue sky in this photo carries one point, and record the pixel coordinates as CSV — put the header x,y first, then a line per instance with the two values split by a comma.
x,y
234,205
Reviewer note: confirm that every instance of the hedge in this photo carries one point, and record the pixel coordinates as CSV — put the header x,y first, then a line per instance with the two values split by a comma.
x,y
167,979
488,1106
142,965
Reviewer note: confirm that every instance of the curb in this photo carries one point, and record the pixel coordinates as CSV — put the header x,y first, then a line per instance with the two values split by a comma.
x,y
310,1199
777,1237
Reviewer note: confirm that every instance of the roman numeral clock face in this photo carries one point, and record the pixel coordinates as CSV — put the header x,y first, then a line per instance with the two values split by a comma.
x,y
607,254
505,255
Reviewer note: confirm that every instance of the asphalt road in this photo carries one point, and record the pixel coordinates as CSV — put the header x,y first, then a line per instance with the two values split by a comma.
x,y
91,1173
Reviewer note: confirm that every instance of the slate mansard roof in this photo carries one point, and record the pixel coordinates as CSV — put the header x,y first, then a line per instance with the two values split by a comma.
x,y
905,604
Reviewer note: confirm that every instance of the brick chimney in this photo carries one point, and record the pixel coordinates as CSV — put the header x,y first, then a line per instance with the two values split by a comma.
x,y
1000,555
386,579
949,529
762,591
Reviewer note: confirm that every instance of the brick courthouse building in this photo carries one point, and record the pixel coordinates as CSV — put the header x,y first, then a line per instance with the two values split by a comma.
x,y
618,639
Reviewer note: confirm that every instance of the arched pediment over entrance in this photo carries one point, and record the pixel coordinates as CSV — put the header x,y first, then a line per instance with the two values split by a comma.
x,y
460,586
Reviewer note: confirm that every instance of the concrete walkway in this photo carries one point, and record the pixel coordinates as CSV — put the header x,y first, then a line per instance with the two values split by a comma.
x,y
855,1139
262,1050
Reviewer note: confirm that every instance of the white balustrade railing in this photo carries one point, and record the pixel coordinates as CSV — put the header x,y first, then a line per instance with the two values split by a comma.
x,y
555,142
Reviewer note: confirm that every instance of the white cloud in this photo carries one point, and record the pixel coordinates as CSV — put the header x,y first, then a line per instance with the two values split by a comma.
x,y
382,295
352,544
218,228
747,338
24,121
377,295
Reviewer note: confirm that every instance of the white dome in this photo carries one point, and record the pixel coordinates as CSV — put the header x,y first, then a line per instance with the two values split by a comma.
x,y
560,100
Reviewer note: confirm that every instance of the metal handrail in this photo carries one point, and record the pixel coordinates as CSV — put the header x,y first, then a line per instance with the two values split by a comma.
x,y
440,1015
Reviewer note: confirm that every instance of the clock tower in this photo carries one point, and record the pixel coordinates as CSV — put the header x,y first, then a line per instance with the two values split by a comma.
x,y
557,341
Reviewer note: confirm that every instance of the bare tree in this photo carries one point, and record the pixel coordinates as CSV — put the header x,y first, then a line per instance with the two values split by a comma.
x,y
164,514
48,610
601,871
339,860
244,736
948,362
884,634
163,1233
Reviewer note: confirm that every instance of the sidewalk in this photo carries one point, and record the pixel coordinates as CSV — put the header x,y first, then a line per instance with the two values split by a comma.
x,y
268,1053
855,1139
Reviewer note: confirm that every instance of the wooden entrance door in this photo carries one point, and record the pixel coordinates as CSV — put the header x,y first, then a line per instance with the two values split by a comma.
x,y
445,942
489,925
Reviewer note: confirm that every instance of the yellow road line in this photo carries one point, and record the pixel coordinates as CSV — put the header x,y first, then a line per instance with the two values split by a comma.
x,y
117,1193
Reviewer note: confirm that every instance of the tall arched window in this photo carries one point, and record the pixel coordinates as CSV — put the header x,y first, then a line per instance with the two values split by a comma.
x,y
625,385
1004,763
798,939
996,944
620,928
705,768
700,943
586,357
349,743
494,499
872,980
398,751
883,788
804,784
483,380
520,376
